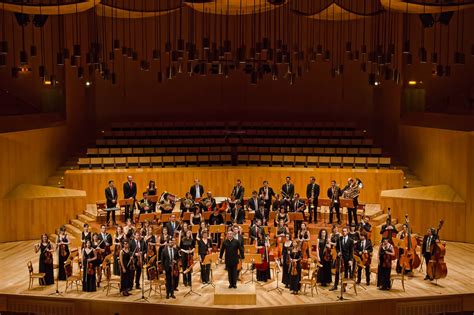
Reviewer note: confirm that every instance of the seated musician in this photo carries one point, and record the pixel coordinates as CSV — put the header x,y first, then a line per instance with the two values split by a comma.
x,y
216,218
166,205
254,202
187,205
237,213
278,203
282,229
364,250
282,215
255,230
144,204
196,217
262,214
208,203
297,205
365,225
172,225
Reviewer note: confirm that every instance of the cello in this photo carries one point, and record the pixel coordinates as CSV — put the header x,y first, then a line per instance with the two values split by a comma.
x,y
390,233
437,268
263,251
409,260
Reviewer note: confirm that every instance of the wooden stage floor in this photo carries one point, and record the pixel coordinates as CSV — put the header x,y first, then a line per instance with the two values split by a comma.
x,y
460,280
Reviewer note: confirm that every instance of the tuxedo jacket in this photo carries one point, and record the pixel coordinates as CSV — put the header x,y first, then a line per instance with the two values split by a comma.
x,y
346,248
233,251
239,217
337,194
288,190
129,191
295,205
133,245
108,240
239,194
192,191
253,204
271,193
166,261
109,197
170,228
310,189
368,246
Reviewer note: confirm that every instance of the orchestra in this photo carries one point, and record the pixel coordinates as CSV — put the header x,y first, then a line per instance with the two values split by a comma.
x,y
169,245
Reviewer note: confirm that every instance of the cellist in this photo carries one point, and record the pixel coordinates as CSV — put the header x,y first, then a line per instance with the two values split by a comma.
x,y
429,239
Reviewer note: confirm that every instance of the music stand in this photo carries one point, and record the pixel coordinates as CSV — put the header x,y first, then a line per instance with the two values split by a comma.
x,y
250,215
190,271
252,259
206,215
276,269
347,203
324,203
57,292
217,229
143,297
195,228
186,216
150,217
165,217
128,202
208,260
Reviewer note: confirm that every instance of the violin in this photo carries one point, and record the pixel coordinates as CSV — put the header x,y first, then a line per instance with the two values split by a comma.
x,y
294,268
366,259
190,259
175,268
327,255
90,269
62,248
68,269
279,247
437,268
386,259
409,260
48,257
150,252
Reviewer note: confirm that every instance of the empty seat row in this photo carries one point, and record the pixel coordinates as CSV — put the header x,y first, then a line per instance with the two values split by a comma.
x,y
127,151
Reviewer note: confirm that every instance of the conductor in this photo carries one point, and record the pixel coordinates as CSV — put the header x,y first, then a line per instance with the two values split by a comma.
x,y
232,248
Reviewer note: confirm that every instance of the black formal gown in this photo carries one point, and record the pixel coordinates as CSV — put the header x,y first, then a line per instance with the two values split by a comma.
x,y
263,274
62,259
88,281
118,239
203,250
44,267
295,279
126,278
286,254
384,270
324,273
186,244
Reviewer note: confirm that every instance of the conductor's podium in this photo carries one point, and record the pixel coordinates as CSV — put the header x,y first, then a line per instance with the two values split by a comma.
x,y
245,294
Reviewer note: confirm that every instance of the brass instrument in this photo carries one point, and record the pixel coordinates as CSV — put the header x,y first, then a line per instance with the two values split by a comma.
x,y
312,197
335,195
351,192
188,203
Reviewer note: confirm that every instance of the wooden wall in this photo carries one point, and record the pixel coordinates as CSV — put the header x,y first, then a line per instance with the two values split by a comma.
x,y
440,156
221,180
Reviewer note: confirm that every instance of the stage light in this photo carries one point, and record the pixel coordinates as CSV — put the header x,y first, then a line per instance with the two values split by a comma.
x,y
88,83
377,83
412,82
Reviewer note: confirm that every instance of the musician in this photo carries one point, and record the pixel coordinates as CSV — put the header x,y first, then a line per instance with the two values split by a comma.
x,y
255,230
89,261
63,244
46,250
266,193
216,218
295,269
333,193
237,213
278,203
282,229
204,248
187,205
364,247
263,269
144,205
126,277
137,247
282,215
119,240
166,203
111,200
287,191
365,226
187,246
169,260
144,229
312,193
354,234
238,234
389,228
129,229
196,217
254,202
297,205
401,250
208,203
196,190
428,240
150,245
172,225
262,214
105,239
152,191
233,252
163,241
345,250
130,192
202,227
351,191
85,235
386,251
238,192
323,254
286,251
99,253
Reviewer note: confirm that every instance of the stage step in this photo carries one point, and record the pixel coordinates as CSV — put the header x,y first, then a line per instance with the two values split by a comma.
x,y
77,223
85,218
245,294
73,230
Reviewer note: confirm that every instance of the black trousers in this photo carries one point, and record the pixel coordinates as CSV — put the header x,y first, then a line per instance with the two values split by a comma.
x,y
427,257
108,216
313,211
138,274
331,213
367,274
129,211
347,271
232,274
297,227
352,213
169,281
205,272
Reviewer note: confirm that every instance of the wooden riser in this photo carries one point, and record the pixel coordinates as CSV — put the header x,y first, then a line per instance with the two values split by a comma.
x,y
245,294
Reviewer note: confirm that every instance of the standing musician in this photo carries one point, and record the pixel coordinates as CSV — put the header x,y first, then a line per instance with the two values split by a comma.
x,y
196,190
295,269
144,204
99,256
85,235
129,229
208,203
216,218
401,250
187,246
263,269
144,229
46,250
286,251
287,191
266,193
428,240
187,205
365,226
385,265
163,242
254,202
204,249
89,260
111,200
262,214
297,205
364,250
63,243
282,215
152,191
105,240
169,260
279,203
150,244
237,192
324,258
126,276
312,193
137,247
351,191
237,213
255,230
119,240
172,225
355,236
345,251
130,192
196,217
233,252
334,192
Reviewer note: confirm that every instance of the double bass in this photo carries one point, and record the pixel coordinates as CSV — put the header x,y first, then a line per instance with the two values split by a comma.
x,y
437,268
409,260
304,255
389,234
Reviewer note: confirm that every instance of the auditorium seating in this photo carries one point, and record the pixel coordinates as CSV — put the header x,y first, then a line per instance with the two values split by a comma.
x,y
276,144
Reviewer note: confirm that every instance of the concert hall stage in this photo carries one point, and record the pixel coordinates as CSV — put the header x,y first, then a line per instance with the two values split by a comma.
x,y
454,293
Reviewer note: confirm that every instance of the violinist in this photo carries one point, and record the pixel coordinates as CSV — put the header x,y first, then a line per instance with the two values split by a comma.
x,y
202,227
86,235
324,258
46,250
255,230
428,240
204,248
118,244
63,243
345,253
163,241
137,246
282,215
126,276
187,246
364,250
303,238
295,269
262,214
287,247
89,258
254,202
263,269
385,265
237,213
169,260
266,193
355,236
129,229
297,205
216,218
233,252
99,256
150,244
